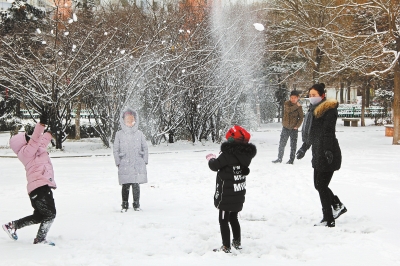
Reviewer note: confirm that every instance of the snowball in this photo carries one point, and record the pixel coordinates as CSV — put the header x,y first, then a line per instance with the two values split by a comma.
x,y
105,33
258,26
59,53
43,42
122,51
38,31
70,21
74,17
66,33
74,46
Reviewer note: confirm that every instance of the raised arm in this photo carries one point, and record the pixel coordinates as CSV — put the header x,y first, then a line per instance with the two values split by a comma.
x,y
218,163
45,139
35,141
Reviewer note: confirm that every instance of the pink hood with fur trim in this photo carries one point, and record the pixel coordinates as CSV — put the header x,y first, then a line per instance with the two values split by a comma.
x,y
34,156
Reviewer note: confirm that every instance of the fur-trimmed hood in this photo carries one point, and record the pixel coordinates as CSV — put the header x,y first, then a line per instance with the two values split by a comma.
x,y
244,152
325,106
125,128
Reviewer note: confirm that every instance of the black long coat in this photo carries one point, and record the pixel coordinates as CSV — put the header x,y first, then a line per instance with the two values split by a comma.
x,y
323,137
233,167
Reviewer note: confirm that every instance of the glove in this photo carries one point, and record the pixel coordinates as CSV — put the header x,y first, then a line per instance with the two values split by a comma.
x,y
329,156
44,118
210,156
300,154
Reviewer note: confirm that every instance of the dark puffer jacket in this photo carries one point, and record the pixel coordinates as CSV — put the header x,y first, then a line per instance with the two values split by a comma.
x,y
233,167
323,137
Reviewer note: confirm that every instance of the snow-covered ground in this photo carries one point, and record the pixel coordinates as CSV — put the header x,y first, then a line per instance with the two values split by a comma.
x,y
179,224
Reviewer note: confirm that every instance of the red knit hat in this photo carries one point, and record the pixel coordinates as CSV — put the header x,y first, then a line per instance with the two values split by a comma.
x,y
237,133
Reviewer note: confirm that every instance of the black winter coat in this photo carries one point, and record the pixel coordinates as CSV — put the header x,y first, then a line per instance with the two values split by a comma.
x,y
323,137
233,167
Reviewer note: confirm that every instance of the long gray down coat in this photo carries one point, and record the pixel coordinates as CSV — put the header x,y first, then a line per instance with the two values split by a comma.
x,y
131,152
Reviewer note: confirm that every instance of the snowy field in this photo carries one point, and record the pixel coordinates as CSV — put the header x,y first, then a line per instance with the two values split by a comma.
x,y
179,224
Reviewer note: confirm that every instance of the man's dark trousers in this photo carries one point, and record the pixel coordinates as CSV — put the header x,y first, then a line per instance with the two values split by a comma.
x,y
285,134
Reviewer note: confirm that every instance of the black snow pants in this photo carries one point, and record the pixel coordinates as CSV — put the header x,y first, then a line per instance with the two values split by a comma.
x,y
285,134
44,211
226,218
321,183
135,193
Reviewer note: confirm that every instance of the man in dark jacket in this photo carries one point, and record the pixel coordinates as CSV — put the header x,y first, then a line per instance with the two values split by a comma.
x,y
292,119
233,166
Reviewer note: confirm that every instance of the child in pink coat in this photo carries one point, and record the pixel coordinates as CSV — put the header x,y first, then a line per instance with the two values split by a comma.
x,y
32,152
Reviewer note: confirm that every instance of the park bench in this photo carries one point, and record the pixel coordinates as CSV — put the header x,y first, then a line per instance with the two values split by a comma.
x,y
351,121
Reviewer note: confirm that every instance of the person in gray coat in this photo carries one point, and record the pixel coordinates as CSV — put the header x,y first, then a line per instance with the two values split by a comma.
x,y
131,157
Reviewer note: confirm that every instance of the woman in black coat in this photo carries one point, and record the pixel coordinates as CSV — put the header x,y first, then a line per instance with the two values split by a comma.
x,y
318,131
233,166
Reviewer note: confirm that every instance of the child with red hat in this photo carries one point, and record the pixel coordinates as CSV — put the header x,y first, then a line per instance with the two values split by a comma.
x,y
232,166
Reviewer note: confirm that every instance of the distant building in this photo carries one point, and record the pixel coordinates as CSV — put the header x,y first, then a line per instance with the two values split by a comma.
x,y
4,5
41,4
349,95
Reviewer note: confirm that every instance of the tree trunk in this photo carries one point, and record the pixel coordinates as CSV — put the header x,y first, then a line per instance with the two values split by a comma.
x,y
317,65
171,136
258,113
394,6
18,108
341,92
218,126
279,100
58,133
348,91
78,120
396,100
213,127
363,90
279,112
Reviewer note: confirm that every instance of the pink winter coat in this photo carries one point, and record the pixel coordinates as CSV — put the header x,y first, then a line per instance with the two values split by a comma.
x,y
34,156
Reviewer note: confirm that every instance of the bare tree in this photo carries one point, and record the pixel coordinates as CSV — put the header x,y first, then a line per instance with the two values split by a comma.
x,y
54,74
376,47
